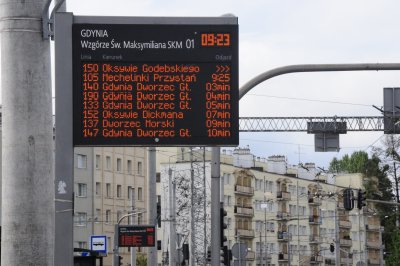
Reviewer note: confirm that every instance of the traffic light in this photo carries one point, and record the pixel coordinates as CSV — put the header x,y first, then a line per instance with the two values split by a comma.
x,y
208,254
223,225
158,214
348,199
332,247
227,255
119,261
361,199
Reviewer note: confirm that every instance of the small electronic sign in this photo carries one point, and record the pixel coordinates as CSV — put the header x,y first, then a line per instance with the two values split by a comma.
x,y
155,84
136,236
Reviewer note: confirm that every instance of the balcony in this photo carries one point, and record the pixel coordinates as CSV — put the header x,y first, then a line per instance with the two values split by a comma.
x,y
344,224
315,240
314,201
330,261
282,216
244,233
371,244
262,256
282,257
345,242
283,195
314,219
248,191
373,227
346,261
251,255
373,261
316,259
283,236
244,211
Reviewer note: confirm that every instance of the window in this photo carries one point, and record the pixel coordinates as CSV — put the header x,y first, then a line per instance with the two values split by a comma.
x,y
109,243
98,161
98,188
119,165
80,219
292,189
302,191
108,190
82,189
292,229
139,168
269,186
108,216
129,192
82,244
227,178
129,166
119,215
108,163
293,209
293,249
119,191
227,200
82,160
302,230
139,218
302,210
140,194
98,217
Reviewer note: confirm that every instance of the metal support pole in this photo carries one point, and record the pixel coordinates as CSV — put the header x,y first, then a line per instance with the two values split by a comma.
x,y
152,200
192,218
133,249
337,240
116,248
172,229
215,205
27,137
205,206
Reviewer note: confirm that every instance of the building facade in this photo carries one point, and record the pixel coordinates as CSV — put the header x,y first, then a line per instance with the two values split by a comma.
x,y
284,215
108,182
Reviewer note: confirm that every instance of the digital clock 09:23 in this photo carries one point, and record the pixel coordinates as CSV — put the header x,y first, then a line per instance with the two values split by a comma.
x,y
215,39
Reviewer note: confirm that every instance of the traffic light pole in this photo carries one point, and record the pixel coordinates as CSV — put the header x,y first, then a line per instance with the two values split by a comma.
x,y
215,207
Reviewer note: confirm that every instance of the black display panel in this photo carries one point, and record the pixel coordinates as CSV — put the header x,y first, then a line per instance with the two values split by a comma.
x,y
136,236
154,85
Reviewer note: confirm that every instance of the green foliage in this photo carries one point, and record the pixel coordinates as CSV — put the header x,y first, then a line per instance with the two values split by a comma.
x,y
356,163
141,260
376,183
393,257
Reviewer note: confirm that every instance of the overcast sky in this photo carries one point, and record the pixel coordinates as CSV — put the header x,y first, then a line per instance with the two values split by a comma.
x,y
285,32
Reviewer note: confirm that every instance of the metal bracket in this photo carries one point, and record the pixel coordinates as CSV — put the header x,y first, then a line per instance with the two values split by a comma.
x,y
48,21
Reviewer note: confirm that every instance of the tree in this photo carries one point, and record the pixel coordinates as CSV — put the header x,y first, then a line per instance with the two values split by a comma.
x,y
376,183
355,163
393,256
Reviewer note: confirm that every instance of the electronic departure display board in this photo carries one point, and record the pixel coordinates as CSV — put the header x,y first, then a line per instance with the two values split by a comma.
x,y
136,236
155,84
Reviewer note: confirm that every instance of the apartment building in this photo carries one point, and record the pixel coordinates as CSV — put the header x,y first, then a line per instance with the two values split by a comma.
x,y
284,215
107,181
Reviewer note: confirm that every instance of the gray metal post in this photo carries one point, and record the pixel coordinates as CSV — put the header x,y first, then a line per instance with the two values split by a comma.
x,y
116,248
64,152
337,240
192,221
133,249
152,200
215,204
27,137
172,230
